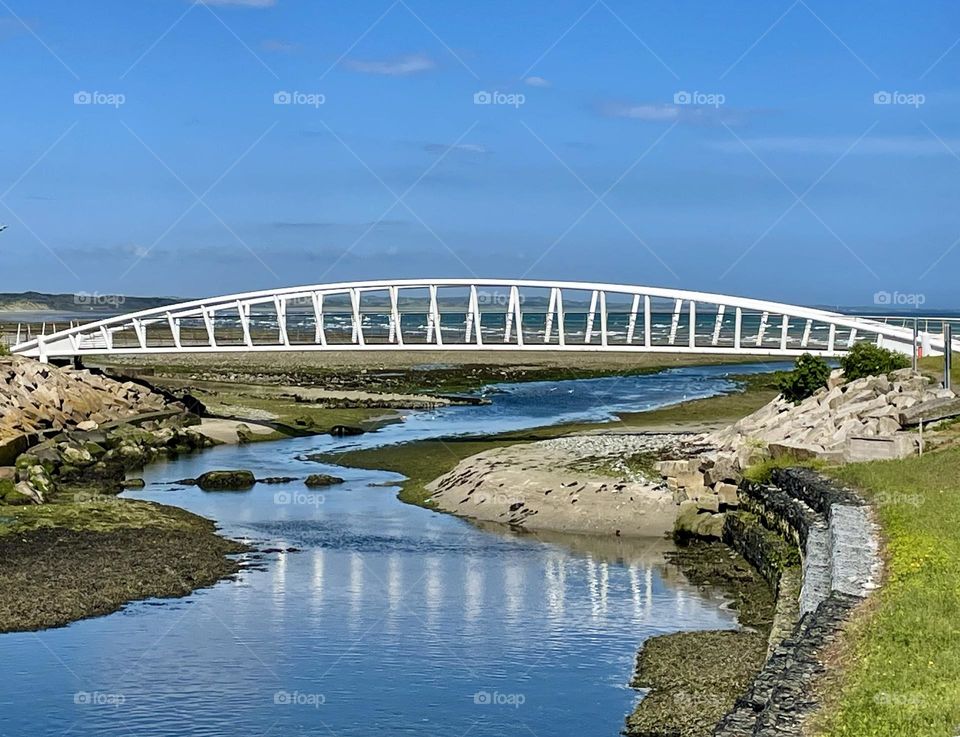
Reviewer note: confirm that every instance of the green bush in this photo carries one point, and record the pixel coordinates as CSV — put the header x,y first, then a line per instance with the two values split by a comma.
x,y
868,359
809,374
4,349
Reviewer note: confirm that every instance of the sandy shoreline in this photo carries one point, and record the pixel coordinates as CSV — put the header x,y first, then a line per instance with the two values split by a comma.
x,y
578,484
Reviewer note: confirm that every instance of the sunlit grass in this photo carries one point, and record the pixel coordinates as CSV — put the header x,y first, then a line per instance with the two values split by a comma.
x,y
902,657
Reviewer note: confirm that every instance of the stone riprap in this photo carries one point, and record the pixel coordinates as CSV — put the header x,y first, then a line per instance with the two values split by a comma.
x,y
78,431
37,397
866,419
859,420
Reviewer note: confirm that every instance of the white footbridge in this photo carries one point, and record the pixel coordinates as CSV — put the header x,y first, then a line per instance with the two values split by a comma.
x,y
481,315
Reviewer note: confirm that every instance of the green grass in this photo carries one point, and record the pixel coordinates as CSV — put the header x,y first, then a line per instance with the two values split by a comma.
x,y
761,472
933,366
903,678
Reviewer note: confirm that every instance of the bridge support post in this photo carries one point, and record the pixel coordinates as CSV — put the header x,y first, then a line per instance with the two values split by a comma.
x,y
947,353
916,335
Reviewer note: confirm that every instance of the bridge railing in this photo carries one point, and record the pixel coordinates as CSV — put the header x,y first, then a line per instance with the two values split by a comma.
x,y
484,315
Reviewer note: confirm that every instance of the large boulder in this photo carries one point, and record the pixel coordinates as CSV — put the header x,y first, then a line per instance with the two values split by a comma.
x,y
316,480
226,480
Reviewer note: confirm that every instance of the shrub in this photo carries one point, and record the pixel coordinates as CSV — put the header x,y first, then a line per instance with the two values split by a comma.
x,y
4,349
809,374
868,359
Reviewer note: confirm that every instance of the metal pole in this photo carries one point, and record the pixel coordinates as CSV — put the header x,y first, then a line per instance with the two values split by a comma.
x,y
916,330
947,353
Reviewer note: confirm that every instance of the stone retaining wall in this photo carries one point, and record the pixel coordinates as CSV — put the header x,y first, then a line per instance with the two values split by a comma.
x,y
841,565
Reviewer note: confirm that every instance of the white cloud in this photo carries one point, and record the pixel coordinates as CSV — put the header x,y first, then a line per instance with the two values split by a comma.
x,y
659,112
537,82
398,67
655,112
836,146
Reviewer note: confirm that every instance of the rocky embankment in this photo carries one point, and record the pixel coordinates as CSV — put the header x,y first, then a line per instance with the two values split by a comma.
x,y
72,431
37,397
866,419
70,547
593,484
872,418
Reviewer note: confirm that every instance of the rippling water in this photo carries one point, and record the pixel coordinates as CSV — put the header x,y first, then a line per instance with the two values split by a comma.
x,y
390,618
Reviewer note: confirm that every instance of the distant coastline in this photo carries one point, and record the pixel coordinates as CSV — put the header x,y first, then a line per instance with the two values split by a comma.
x,y
79,303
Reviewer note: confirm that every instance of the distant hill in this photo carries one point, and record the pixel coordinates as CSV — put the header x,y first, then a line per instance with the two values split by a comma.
x,y
93,302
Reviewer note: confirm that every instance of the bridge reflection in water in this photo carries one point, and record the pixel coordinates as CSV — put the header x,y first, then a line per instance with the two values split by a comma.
x,y
613,579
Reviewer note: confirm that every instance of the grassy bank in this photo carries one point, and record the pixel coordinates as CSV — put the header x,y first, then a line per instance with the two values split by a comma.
x,y
423,461
934,367
901,657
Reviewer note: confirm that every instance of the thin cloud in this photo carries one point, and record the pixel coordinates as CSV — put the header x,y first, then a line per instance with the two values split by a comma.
x,y
670,113
537,82
398,67
652,112
836,146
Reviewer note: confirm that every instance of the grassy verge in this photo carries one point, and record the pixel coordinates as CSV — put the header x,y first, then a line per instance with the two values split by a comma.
x,y
423,461
903,655
934,367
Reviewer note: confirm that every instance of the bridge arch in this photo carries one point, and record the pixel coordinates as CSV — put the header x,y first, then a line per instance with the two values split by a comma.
x,y
479,314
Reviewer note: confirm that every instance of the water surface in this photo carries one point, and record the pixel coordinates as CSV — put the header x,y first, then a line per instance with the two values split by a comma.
x,y
388,618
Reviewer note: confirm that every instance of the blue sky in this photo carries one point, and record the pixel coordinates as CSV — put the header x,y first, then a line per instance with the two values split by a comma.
x,y
732,147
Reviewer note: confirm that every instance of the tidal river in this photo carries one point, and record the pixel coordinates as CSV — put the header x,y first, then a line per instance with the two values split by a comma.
x,y
387,618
